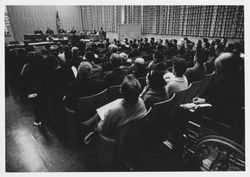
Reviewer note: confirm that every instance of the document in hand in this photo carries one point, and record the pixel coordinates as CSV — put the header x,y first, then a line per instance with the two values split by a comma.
x,y
102,111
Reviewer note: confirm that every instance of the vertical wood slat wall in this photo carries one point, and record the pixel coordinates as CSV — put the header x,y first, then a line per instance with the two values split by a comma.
x,y
95,17
207,21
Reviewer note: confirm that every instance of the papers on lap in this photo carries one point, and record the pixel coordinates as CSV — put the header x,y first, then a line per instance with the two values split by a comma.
x,y
102,111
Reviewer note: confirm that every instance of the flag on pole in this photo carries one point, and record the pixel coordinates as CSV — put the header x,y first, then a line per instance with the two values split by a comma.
x,y
58,23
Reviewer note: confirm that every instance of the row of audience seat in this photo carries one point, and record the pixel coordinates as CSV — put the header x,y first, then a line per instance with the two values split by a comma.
x,y
136,137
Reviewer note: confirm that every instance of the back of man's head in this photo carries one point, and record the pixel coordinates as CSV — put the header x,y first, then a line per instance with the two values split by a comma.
x,y
113,48
130,88
158,56
139,61
201,56
115,60
84,70
75,51
227,63
123,57
90,56
180,66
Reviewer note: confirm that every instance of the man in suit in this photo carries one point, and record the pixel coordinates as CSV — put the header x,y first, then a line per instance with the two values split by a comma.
x,y
96,69
198,71
225,91
103,33
38,31
61,31
73,31
115,77
49,31
82,86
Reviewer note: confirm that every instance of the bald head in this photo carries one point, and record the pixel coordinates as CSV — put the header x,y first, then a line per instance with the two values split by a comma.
x,y
115,60
84,70
226,62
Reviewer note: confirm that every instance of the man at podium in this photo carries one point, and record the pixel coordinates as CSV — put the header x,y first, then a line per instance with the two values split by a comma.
x,y
103,33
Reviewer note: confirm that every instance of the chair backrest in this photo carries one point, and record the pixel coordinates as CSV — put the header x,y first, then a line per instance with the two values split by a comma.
x,y
72,126
142,81
133,135
158,118
159,109
193,91
86,106
178,99
114,92
106,152
204,84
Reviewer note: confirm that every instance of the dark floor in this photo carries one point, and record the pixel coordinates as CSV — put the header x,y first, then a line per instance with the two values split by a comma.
x,y
30,149
45,149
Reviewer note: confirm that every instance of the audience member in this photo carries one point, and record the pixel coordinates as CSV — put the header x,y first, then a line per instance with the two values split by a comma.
x,y
198,71
97,71
154,91
129,108
179,82
139,69
82,86
115,77
158,62
225,91
125,64
76,59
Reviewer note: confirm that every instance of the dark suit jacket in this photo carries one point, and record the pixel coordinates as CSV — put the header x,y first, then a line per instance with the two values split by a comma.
x,y
195,73
115,77
226,94
81,88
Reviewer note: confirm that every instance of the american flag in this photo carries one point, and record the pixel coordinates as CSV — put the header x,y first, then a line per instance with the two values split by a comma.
x,y
58,23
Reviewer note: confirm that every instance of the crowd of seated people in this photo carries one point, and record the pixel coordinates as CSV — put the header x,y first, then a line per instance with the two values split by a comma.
x,y
67,72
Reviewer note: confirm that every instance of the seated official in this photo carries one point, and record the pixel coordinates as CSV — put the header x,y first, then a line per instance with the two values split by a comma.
x,y
73,31
38,31
154,91
121,111
179,81
103,33
93,32
49,31
82,86
61,31
115,77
